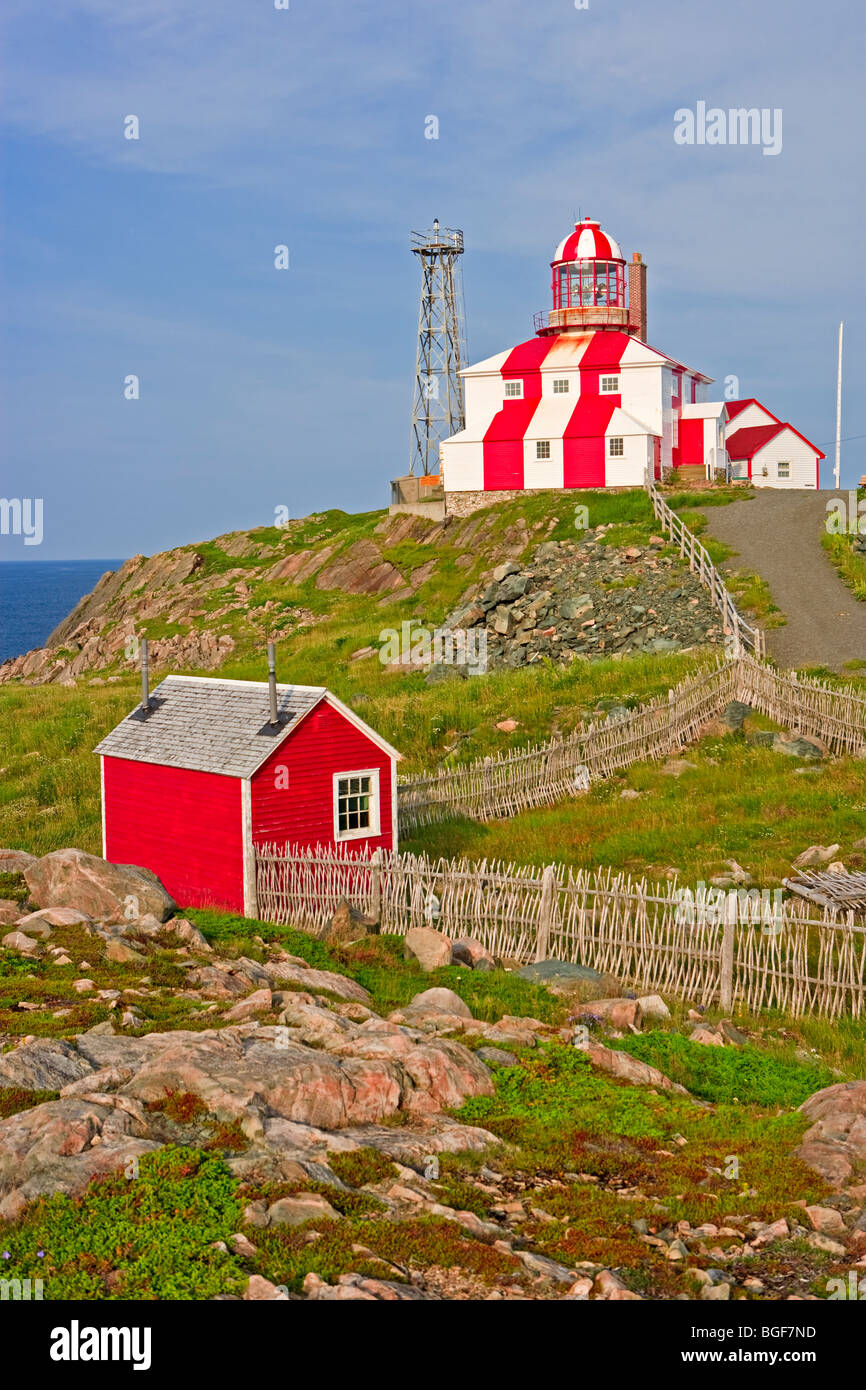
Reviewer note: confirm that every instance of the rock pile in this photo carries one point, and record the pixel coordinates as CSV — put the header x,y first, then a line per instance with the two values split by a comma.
x,y
588,600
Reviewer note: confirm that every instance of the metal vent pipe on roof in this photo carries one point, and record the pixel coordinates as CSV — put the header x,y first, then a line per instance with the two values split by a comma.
x,y
145,681
272,683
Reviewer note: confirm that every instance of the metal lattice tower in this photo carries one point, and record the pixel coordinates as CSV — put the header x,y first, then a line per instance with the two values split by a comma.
x,y
437,407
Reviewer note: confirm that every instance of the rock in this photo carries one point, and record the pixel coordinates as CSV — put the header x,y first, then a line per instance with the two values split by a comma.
x,y
439,1001
431,949
121,954
258,1001
46,1064
71,878
618,1013
836,1142
502,571
16,861
825,1243
712,1293
654,1007
186,932
628,1068
17,941
348,924
570,981
735,714
768,1234
468,950
815,854
10,912
497,1056
294,1211
611,1288
83,986
709,1037
358,1288
827,1220
507,726
54,917
316,981
731,1034
260,1290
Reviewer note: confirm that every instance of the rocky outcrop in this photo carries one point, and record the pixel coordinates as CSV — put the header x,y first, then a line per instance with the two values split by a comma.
x,y
287,1096
71,878
835,1145
587,599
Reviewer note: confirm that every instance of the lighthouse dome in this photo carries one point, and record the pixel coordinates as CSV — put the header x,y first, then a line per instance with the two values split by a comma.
x,y
587,242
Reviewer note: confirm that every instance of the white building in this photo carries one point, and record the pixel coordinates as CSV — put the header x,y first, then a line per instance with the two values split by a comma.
x,y
588,403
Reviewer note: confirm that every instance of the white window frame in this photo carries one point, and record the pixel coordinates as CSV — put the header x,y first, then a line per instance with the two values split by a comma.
x,y
616,453
674,384
783,463
374,828
510,393
542,448
604,387
561,385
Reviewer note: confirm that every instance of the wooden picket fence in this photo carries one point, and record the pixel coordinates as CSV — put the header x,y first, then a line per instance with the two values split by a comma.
x,y
746,636
735,949
494,787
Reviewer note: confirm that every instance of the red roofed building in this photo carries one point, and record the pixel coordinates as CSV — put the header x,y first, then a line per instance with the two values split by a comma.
x,y
587,402
770,454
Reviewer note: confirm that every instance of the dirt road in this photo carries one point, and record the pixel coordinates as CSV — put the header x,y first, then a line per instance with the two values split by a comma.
x,y
778,535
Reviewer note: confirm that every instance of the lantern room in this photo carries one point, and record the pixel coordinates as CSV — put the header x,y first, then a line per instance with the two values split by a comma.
x,y
589,283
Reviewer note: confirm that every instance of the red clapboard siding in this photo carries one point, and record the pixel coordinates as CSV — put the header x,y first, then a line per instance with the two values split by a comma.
x,y
303,813
691,442
185,826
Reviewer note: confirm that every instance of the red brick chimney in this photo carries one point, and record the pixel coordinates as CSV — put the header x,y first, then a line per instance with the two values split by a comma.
x,y
637,297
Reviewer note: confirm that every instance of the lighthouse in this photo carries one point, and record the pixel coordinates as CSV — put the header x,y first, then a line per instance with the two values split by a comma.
x,y
588,403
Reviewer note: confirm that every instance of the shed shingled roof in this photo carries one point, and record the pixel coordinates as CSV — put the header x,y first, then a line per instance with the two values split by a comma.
x,y
209,725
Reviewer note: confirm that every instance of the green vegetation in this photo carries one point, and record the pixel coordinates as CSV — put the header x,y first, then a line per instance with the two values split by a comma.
x,y
850,563
748,1075
14,1099
361,1166
142,1236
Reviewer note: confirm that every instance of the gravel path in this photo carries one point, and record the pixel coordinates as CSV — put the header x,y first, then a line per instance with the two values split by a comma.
x,y
778,535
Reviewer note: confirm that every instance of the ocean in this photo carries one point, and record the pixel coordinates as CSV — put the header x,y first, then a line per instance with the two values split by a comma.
x,y
36,594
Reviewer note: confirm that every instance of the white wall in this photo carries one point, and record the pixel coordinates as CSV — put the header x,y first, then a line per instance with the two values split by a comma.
x,y
642,394
630,470
789,446
749,417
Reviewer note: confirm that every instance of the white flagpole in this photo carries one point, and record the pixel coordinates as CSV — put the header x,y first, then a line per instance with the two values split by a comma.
x,y
836,481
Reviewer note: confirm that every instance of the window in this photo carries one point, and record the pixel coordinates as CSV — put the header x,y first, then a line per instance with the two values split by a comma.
x,y
513,388
356,804
675,385
615,448
608,385
783,468
561,386
542,449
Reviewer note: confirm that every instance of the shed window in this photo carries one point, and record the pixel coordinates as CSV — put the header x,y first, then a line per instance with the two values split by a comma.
x,y
783,468
356,804
560,386
608,385
615,448
542,448
513,388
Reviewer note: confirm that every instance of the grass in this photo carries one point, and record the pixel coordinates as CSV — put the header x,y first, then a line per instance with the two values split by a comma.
x,y
850,563
746,1075
738,801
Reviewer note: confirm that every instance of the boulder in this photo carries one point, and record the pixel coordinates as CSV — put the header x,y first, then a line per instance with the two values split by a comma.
x,y
654,1007
570,981
71,878
431,949
294,1211
348,924
814,855
628,1068
468,950
10,912
54,917
17,941
16,861
618,1013
121,954
439,1001
835,1145
497,1056
709,1037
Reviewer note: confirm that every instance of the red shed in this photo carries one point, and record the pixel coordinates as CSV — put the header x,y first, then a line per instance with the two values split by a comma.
x,y
194,781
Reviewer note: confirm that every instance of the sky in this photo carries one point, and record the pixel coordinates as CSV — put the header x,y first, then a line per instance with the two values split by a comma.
x,y
307,127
